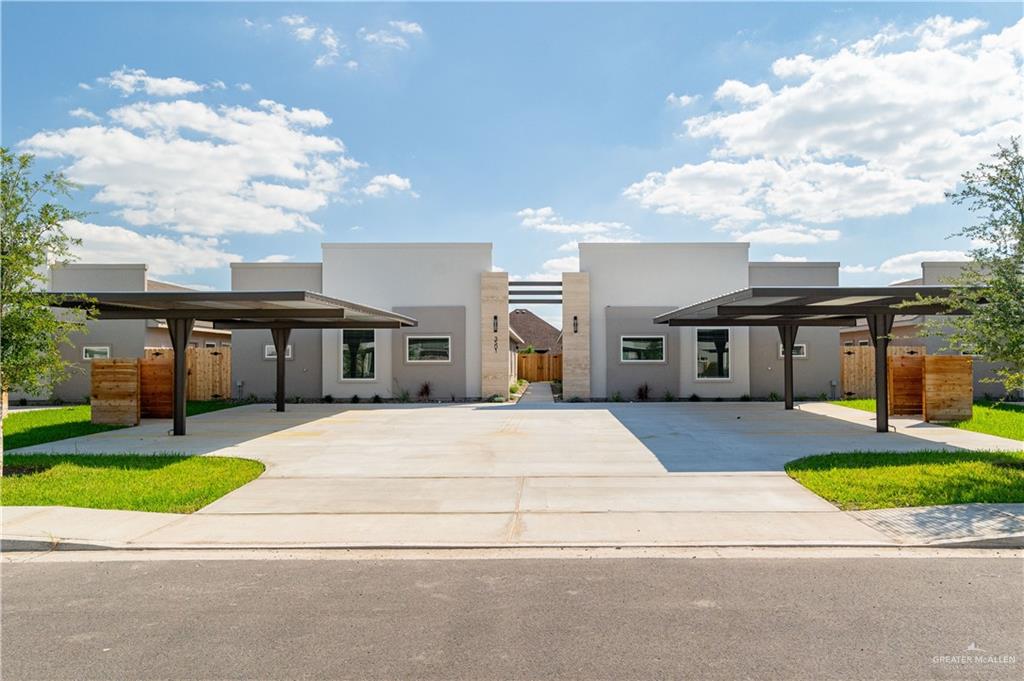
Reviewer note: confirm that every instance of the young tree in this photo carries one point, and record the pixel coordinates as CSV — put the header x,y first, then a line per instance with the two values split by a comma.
x,y
991,287
32,237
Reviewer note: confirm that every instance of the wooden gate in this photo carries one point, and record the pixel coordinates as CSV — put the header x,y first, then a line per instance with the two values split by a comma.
x,y
857,367
948,388
209,370
537,366
114,394
906,385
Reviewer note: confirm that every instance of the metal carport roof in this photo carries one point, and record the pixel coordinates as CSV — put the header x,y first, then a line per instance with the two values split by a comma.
x,y
278,311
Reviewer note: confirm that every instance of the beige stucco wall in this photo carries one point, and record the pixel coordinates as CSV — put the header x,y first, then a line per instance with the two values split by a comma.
x,y
494,343
575,340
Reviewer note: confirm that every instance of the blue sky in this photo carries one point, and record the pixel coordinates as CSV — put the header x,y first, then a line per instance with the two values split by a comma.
x,y
206,133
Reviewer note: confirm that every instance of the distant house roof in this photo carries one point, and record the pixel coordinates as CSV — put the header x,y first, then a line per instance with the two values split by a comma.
x,y
535,331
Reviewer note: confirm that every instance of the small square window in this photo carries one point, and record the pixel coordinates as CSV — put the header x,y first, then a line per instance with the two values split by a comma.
x,y
642,348
848,344
863,343
428,349
799,351
210,344
90,352
270,352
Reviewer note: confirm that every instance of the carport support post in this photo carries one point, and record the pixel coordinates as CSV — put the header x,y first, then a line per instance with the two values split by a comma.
x,y
179,330
280,348
879,327
787,332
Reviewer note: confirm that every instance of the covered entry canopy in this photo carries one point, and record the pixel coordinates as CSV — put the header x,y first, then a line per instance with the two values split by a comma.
x,y
790,307
278,311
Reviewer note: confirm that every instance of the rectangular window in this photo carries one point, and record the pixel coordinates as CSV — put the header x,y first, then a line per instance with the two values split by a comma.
x,y
799,351
270,352
358,358
210,344
848,343
95,352
713,354
428,348
642,348
863,343
225,344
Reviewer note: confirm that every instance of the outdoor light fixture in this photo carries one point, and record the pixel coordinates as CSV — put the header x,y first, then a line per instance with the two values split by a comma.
x,y
495,323
575,324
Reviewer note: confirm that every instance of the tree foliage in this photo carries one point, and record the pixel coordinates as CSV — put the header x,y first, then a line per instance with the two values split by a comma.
x,y
32,237
991,287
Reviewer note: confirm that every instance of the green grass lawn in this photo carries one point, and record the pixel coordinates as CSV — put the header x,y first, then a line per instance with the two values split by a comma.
x,y
27,428
866,480
1004,419
164,483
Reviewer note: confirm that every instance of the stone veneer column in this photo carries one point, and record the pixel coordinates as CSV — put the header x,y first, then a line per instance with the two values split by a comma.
x,y
494,346
576,335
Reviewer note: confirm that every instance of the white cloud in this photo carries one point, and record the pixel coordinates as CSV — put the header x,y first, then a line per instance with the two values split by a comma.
x,y
294,20
384,39
382,185
188,167
779,257
244,87
875,128
164,255
786,233
130,81
84,86
304,33
218,85
680,101
407,27
84,113
857,269
332,47
277,257
546,220
352,65
910,263
743,93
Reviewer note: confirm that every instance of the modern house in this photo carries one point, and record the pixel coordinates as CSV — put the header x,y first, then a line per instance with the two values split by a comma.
x,y
464,342
631,283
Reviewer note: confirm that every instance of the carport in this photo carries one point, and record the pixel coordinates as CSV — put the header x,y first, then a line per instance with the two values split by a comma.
x,y
277,311
790,307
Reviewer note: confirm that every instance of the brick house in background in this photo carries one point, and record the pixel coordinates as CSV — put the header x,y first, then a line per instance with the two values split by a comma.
x,y
534,331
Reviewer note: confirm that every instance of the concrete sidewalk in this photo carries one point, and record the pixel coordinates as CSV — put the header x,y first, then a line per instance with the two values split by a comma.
x,y
537,393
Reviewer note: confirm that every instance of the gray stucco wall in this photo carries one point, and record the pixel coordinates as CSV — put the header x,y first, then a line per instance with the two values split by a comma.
x,y
446,380
625,377
811,376
126,338
257,375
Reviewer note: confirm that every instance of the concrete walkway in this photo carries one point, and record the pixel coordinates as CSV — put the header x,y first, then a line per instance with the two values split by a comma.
x,y
537,393
941,436
482,475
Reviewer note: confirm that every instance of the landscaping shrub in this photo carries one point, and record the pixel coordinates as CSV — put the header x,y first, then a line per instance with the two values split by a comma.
x,y
355,399
377,399
773,396
695,397
744,398
668,396
616,396
424,391
403,395
643,392
328,399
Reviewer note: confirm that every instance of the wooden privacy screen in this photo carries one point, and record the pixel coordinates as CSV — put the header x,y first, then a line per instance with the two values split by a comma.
x,y
857,367
156,377
209,370
115,394
906,386
537,366
948,388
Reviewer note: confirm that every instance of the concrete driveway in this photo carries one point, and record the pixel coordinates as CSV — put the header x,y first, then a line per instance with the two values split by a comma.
x,y
530,474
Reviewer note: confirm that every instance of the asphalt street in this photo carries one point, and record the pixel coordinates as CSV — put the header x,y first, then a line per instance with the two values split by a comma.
x,y
778,618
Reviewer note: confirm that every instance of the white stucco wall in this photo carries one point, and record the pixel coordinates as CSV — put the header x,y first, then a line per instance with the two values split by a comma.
x,y
390,275
670,275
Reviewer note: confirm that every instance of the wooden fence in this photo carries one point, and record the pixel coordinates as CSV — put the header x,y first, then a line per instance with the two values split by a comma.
x,y
209,370
948,388
857,367
537,366
115,394
906,385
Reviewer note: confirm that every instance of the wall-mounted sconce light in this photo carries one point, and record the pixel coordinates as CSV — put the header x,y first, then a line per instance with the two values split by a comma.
x,y
575,324
495,323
